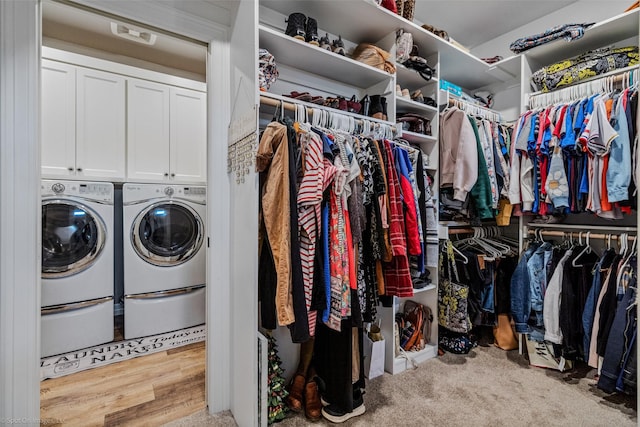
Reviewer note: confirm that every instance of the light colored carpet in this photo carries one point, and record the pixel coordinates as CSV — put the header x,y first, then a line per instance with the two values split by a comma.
x,y
488,387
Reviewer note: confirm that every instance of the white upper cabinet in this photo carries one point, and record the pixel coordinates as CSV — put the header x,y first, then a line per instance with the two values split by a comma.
x,y
83,121
147,131
167,133
58,127
100,125
188,129
116,124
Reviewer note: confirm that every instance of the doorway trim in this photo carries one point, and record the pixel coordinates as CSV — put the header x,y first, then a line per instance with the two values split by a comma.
x,y
20,223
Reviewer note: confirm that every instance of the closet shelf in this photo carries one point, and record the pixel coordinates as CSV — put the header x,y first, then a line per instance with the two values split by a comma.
x,y
321,62
274,100
410,106
364,21
355,20
605,33
581,227
401,363
425,289
418,138
411,79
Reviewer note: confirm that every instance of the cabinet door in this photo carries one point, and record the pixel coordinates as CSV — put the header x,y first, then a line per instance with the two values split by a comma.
x,y
100,125
188,135
147,131
58,120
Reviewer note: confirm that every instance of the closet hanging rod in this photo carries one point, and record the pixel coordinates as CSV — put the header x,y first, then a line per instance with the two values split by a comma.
x,y
461,231
552,233
462,104
290,105
581,227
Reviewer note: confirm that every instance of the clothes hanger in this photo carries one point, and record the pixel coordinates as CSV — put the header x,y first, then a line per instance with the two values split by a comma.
x,y
622,244
489,238
586,250
633,250
465,260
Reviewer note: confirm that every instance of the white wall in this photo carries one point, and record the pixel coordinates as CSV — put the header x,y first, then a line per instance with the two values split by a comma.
x,y
579,12
19,212
243,221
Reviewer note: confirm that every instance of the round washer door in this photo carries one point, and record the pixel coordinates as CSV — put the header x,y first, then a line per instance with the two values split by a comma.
x,y
73,237
167,233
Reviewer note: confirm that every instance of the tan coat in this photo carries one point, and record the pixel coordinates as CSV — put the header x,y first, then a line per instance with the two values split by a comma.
x,y
273,157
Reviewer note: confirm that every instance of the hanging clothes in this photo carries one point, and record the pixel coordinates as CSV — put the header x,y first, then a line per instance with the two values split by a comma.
x,y
577,157
474,167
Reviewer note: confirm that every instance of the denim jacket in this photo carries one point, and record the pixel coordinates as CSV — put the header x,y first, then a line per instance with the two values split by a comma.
x,y
521,291
537,266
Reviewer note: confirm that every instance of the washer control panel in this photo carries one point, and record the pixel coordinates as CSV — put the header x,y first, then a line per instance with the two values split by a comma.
x,y
102,191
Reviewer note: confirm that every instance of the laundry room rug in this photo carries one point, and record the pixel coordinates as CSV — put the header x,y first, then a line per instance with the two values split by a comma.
x,y
94,357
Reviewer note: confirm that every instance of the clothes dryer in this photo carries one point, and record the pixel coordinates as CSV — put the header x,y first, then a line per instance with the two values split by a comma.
x,y
77,265
164,257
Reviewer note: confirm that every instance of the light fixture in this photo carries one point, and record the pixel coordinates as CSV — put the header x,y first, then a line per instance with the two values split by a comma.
x,y
123,31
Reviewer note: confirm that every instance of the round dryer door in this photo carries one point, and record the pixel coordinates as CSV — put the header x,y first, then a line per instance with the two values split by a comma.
x,y
167,234
72,238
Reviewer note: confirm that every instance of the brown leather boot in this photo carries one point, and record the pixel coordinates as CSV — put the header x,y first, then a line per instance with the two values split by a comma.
x,y
296,388
312,403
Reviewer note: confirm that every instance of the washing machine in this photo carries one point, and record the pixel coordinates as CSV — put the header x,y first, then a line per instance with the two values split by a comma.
x,y
77,265
164,257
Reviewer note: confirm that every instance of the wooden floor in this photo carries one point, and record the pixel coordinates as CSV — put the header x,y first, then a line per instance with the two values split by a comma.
x,y
146,391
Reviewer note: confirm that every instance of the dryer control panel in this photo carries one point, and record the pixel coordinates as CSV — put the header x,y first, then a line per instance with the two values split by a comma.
x,y
132,193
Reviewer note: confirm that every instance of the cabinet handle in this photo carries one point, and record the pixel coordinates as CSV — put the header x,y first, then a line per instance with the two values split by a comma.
x,y
173,175
79,169
70,169
166,174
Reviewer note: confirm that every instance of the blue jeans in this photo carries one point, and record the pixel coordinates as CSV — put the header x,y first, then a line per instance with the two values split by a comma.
x,y
521,291
536,266
590,304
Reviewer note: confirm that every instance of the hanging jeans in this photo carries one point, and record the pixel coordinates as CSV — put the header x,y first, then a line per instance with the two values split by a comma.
x,y
520,292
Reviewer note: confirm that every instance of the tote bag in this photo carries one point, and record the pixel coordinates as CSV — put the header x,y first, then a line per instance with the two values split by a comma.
x,y
453,297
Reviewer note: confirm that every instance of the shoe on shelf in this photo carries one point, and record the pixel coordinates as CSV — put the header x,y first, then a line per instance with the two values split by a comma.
x,y
338,46
383,101
417,96
296,24
353,106
312,32
312,402
375,109
342,103
398,91
405,94
296,388
337,415
325,43
300,96
366,103
332,102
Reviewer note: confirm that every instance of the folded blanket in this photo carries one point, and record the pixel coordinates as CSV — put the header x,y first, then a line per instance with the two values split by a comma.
x,y
567,31
589,64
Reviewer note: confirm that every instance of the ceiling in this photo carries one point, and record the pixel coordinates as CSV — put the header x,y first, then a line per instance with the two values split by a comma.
x,y
87,29
469,22
474,22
